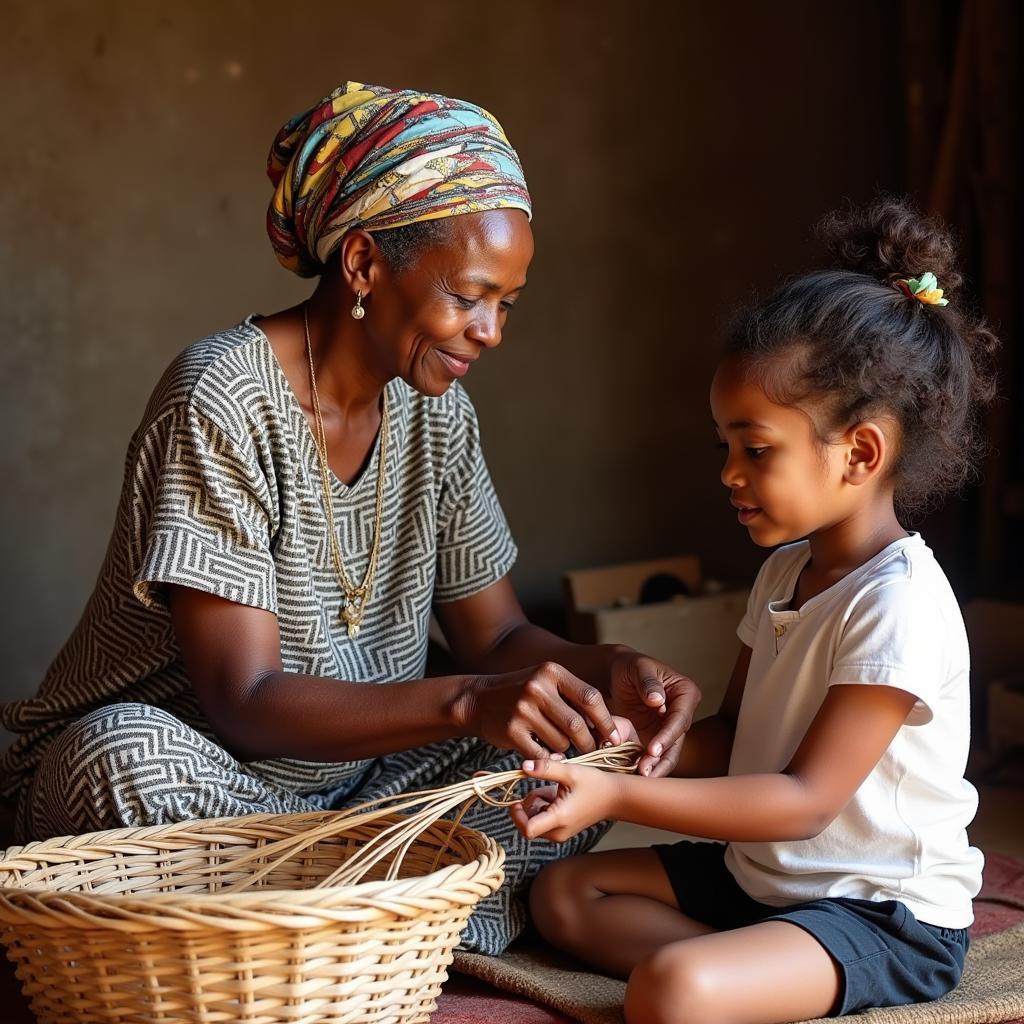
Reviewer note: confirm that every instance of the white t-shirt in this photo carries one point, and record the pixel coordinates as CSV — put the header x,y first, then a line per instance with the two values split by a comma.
x,y
892,622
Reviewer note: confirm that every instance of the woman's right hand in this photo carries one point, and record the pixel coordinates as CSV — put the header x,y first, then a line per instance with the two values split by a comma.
x,y
538,710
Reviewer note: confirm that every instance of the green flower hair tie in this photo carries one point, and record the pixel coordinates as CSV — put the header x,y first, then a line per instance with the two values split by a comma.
x,y
924,288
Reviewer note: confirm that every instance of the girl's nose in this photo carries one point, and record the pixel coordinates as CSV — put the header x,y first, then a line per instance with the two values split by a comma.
x,y
730,475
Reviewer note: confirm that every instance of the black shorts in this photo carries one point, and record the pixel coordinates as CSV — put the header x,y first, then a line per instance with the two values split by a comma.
x,y
885,955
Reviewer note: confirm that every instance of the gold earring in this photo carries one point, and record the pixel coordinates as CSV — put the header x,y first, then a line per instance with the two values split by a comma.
x,y
357,310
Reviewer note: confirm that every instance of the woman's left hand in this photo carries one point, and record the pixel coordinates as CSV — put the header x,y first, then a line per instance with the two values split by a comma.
x,y
581,797
661,704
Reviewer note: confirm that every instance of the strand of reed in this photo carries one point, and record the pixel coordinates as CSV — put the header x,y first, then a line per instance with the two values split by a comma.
x,y
427,805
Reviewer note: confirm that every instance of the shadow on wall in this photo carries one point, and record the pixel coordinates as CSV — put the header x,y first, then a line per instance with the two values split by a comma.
x,y
677,155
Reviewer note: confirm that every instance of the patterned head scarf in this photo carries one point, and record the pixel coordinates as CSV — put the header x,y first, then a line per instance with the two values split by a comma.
x,y
372,157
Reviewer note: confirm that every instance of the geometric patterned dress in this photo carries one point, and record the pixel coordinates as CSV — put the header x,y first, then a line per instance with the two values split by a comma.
x,y
222,493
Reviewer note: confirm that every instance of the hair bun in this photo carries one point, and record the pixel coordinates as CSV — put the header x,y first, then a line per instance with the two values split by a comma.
x,y
889,240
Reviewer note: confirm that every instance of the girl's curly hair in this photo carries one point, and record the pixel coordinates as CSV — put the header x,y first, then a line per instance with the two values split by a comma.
x,y
847,344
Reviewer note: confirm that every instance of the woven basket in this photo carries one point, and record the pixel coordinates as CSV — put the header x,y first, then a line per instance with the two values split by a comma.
x,y
133,925
327,916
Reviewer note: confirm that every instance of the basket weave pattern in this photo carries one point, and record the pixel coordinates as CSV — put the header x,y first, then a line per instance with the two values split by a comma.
x,y
168,923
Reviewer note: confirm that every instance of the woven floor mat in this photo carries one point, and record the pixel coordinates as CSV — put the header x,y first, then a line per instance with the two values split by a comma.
x,y
991,991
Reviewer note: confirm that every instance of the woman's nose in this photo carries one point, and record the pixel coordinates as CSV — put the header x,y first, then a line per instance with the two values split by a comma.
x,y
486,329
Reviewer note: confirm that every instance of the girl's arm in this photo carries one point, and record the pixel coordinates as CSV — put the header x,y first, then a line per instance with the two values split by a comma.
x,y
853,728
708,746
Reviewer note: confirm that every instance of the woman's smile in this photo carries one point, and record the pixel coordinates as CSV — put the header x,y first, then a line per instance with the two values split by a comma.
x,y
457,364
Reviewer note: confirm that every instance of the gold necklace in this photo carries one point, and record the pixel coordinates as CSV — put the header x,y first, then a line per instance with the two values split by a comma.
x,y
355,598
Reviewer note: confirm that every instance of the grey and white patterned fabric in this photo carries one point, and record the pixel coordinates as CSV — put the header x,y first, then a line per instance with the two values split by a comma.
x,y
222,494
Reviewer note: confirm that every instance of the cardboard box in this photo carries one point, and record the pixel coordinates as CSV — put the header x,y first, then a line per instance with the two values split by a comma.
x,y
995,630
1006,715
695,633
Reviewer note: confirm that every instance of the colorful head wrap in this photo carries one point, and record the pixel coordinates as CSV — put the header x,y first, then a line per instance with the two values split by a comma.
x,y
372,157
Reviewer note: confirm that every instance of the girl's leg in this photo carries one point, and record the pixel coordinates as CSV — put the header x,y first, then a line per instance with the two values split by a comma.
x,y
611,909
766,973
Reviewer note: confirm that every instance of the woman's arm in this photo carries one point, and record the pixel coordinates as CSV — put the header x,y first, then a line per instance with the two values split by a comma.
x,y
233,656
489,633
853,728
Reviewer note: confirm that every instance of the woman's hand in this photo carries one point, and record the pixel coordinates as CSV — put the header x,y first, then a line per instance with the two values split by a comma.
x,y
537,710
582,796
659,702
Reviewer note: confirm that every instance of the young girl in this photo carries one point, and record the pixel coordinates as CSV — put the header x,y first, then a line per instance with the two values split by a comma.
x,y
834,770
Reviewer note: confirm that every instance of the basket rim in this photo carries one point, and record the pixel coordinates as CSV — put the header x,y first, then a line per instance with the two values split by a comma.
x,y
490,856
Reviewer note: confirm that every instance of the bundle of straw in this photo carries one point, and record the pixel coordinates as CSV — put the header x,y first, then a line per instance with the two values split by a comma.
x,y
426,806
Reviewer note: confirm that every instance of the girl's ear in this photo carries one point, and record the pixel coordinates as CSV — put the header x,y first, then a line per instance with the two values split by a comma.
x,y
868,450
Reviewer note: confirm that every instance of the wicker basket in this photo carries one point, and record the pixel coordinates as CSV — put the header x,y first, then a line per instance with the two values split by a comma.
x,y
268,919
136,925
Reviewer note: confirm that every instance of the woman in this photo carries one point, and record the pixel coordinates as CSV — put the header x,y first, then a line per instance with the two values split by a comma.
x,y
303,490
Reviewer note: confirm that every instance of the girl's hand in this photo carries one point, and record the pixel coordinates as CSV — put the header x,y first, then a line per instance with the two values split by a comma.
x,y
581,797
626,730
660,702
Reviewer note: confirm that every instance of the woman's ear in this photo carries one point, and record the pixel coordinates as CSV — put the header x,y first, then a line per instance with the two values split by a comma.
x,y
359,260
868,451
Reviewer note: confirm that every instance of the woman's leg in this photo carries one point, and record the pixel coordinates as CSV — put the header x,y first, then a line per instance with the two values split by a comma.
x,y
131,765
766,973
610,909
